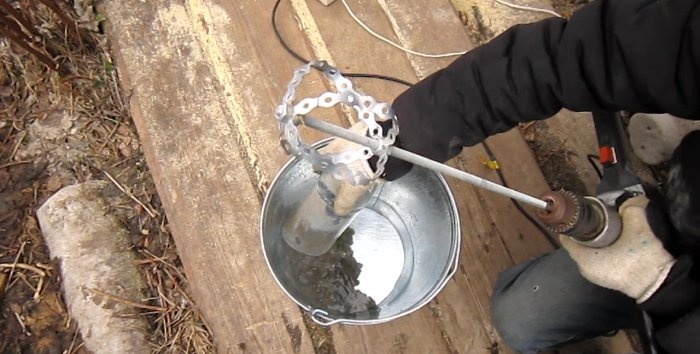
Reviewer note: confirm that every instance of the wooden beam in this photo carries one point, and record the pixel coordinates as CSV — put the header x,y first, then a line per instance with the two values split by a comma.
x,y
206,76
197,155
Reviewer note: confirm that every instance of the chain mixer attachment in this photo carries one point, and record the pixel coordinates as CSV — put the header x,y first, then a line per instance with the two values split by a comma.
x,y
291,113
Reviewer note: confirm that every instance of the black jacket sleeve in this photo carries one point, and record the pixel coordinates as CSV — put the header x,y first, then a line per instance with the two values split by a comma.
x,y
633,55
675,310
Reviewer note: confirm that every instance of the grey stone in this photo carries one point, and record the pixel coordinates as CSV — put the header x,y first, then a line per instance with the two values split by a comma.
x,y
654,136
93,253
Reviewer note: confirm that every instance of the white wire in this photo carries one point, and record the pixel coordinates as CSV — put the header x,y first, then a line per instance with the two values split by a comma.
x,y
388,41
527,8
443,55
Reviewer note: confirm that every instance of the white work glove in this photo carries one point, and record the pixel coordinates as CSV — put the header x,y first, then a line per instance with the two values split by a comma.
x,y
636,264
349,194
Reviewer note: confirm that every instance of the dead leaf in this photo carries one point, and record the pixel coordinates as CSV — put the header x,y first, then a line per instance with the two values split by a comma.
x,y
48,343
4,179
5,91
125,139
53,184
16,308
124,130
125,150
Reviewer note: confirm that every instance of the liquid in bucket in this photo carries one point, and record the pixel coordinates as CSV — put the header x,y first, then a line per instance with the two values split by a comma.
x,y
324,214
331,281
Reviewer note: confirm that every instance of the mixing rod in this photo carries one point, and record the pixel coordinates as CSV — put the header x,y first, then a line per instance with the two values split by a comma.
x,y
418,160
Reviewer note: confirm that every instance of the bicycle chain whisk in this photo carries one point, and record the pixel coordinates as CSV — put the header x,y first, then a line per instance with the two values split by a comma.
x,y
290,114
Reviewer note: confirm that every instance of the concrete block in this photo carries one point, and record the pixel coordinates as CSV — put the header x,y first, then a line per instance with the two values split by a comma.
x,y
655,136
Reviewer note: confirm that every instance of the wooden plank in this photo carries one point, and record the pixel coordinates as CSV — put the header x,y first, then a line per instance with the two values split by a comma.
x,y
343,45
522,173
465,317
206,79
427,27
205,186
417,333
357,51
465,307
481,255
227,47
245,19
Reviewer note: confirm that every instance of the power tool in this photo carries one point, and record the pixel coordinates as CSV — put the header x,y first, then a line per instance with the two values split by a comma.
x,y
593,220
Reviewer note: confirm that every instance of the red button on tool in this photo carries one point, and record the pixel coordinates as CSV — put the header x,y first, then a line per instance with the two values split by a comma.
x,y
607,155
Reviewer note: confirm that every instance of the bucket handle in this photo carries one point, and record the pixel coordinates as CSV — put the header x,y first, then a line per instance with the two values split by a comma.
x,y
321,317
453,268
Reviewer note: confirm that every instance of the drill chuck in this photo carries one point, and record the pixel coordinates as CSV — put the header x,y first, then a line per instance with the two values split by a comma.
x,y
585,219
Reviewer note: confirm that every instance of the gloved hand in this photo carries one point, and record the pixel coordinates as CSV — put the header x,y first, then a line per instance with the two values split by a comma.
x,y
636,264
349,194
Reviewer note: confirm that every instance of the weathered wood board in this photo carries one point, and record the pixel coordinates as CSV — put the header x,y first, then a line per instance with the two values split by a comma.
x,y
205,77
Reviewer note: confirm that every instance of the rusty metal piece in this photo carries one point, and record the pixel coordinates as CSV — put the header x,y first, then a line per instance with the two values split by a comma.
x,y
587,220
563,212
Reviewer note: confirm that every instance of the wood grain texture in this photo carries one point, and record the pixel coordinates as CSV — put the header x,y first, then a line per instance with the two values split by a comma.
x,y
417,333
195,153
205,78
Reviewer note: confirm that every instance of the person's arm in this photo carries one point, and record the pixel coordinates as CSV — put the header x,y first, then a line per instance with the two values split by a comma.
x,y
675,308
633,55
638,265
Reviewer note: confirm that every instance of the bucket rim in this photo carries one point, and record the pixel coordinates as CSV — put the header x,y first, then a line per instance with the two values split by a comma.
x,y
322,317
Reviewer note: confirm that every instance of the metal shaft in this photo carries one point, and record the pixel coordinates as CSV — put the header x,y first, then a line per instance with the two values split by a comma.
x,y
424,162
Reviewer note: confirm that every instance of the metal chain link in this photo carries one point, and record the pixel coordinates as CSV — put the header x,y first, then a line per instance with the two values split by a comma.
x,y
368,111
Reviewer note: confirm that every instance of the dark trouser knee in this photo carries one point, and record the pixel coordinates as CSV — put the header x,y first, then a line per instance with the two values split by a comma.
x,y
545,303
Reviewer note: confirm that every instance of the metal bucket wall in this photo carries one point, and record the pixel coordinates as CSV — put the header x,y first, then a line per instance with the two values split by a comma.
x,y
403,251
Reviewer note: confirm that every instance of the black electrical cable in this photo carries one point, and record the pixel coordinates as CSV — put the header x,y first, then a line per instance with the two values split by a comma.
x,y
279,35
517,204
306,61
592,159
296,55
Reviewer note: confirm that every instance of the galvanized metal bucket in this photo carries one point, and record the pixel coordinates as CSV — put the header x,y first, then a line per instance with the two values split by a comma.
x,y
402,251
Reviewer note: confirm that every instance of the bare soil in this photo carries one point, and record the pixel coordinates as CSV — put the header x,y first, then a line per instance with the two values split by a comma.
x,y
554,158
567,7
66,126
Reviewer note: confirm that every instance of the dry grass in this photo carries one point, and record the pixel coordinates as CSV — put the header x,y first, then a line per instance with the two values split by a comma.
x,y
64,120
178,328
